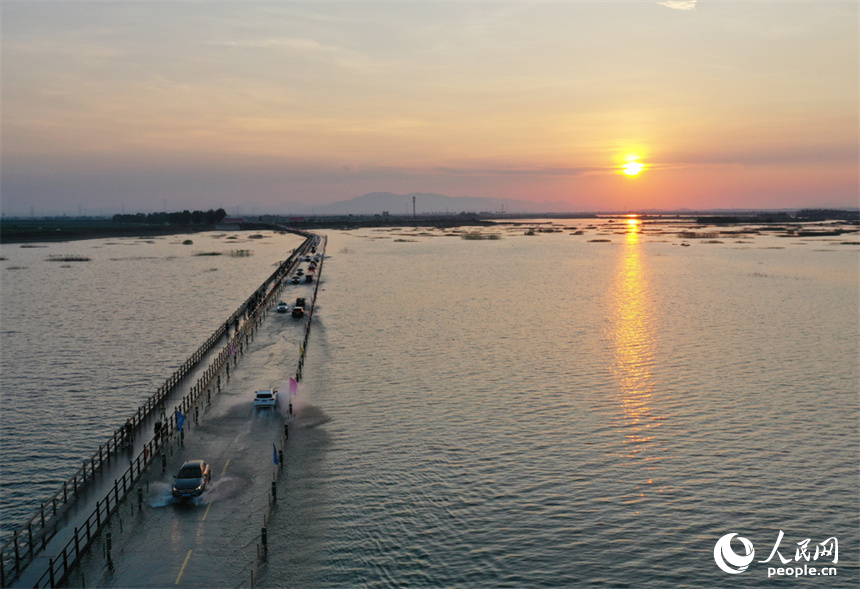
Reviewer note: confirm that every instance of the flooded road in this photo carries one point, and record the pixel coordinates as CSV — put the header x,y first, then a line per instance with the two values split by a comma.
x,y
210,540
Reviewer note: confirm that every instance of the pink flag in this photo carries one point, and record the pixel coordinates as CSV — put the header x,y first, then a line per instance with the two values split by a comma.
x,y
294,386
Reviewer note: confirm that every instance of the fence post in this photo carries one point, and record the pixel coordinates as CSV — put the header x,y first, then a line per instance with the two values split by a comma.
x,y
17,555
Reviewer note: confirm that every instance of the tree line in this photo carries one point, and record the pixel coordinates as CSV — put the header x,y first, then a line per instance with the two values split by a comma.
x,y
210,217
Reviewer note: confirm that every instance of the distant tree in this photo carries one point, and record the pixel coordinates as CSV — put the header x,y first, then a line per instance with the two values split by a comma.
x,y
186,217
217,216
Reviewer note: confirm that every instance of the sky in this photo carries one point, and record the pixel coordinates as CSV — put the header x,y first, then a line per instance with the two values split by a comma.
x,y
149,106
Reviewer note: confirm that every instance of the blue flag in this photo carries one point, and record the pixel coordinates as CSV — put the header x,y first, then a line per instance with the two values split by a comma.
x,y
275,454
180,420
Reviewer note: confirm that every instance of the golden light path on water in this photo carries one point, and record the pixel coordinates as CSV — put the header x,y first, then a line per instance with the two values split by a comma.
x,y
632,328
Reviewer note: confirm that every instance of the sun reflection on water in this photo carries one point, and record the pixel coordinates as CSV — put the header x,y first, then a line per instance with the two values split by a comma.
x,y
634,351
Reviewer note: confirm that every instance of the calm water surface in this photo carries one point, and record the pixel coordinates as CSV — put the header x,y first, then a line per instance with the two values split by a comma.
x,y
541,410
553,411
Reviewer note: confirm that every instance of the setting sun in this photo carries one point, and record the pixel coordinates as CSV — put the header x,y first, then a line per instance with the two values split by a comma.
x,y
632,166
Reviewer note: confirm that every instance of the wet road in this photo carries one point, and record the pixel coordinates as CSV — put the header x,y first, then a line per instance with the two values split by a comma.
x,y
212,540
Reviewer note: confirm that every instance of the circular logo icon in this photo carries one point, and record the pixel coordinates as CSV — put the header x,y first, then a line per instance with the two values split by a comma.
x,y
726,558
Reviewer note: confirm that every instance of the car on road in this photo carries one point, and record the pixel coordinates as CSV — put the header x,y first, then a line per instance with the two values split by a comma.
x,y
296,279
298,312
266,398
283,307
299,272
300,302
192,479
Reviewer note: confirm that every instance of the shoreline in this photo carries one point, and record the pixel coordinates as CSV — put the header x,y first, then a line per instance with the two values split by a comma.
x,y
56,231
59,231
72,234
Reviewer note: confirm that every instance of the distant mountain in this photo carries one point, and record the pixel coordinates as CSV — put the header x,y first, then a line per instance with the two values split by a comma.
x,y
376,203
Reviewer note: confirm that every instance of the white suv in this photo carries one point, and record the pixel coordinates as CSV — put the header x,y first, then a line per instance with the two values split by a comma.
x,y
266,398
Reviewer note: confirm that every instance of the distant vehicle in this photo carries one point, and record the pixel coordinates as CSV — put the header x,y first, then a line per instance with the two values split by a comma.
x,y
298,312
191,480
296,279
283,307
307,258
300,302
309,278
266,398
299,272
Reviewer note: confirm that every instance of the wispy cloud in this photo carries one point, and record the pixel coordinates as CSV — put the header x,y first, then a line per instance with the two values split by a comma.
x,y
509,171
311,48
679,4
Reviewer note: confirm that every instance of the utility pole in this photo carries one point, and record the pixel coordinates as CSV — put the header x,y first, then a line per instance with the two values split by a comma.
x,y
413,207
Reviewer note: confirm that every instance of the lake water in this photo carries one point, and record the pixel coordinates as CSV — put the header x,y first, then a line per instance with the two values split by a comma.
x,y
556,409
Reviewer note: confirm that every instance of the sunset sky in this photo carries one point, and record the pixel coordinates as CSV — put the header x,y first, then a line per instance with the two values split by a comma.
x,y
152,105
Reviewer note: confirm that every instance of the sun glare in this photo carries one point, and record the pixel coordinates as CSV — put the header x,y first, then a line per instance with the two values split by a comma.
x,y
632,168
630,165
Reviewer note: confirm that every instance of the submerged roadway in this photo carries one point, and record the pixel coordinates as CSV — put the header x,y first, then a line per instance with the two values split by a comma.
x,y
211,540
